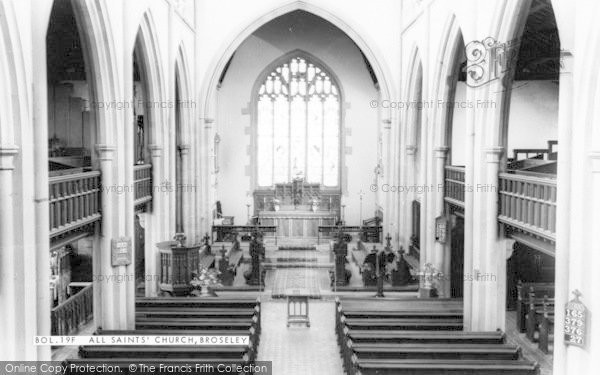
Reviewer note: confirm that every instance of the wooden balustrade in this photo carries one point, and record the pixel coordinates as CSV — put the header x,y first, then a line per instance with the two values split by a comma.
x,y
74,201
76,311
454,187
528,203
142,176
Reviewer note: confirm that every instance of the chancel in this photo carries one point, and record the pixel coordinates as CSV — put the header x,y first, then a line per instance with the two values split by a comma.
x,y
317,186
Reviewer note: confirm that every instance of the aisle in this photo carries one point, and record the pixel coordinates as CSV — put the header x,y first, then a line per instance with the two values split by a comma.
x,y
300,350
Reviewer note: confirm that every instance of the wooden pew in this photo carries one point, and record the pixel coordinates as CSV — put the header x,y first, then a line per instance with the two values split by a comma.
x,y
406,324
546,329
420,337
196,302
537,309
414,337
523,290
443,366
161,312
211,313
186,317
165,351
204,323
435,351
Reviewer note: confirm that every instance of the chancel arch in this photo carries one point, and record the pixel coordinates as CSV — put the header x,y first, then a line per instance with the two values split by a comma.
x,y
274,131
222,59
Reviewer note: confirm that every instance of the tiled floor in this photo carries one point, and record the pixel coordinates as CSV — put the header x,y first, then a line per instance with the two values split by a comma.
x,y
300,350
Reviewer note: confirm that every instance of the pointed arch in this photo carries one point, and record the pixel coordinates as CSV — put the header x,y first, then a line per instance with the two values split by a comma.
x,y
12,72
259,91
415,83
100,57
452,45
218,64
147,45
183,77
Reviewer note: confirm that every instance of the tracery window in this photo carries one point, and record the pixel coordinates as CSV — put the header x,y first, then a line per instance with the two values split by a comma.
x,y
298,125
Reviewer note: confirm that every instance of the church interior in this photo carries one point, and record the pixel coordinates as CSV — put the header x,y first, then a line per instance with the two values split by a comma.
x,y
389,187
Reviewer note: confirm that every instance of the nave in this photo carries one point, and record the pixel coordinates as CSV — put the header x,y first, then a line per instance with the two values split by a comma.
x,y
349,332
238,159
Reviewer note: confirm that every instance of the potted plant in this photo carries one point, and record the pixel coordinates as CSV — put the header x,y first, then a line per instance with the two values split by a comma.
x,y
203,281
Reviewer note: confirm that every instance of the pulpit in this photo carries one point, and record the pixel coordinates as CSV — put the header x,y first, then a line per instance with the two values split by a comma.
x,y
177,263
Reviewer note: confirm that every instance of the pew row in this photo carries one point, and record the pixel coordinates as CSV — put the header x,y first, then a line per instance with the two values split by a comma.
x,y
412,336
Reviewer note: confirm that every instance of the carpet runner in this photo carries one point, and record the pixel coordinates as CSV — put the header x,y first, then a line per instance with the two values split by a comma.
x,y
308,279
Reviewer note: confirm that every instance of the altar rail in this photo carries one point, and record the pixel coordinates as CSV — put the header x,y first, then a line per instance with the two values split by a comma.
x,y
142,181
74,201
73,313
528,204
454,188
366,234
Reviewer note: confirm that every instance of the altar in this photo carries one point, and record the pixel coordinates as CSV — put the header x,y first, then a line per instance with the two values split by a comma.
x,y
297,224
297,209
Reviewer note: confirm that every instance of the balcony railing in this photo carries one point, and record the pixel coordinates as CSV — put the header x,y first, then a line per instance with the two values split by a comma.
x,y
142,176
529,204
454,187
73,313
74,201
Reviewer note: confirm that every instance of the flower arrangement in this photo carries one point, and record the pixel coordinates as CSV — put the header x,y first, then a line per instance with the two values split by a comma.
x,y
202,281
430,276
314,203
276,202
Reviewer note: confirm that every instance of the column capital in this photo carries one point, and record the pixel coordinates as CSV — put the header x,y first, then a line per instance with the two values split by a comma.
x,y
411,149
105,152
7,156
387,123
208,121
441,152
493,154
155,150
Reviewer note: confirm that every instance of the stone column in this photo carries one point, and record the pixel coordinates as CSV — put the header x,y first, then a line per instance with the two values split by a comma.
x,y
186,190
12,343
488,299
407,198
438,258
111,284
388,174
563,248
153,228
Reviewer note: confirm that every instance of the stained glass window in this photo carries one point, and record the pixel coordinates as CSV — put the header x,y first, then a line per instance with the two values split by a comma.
x,y
298,125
